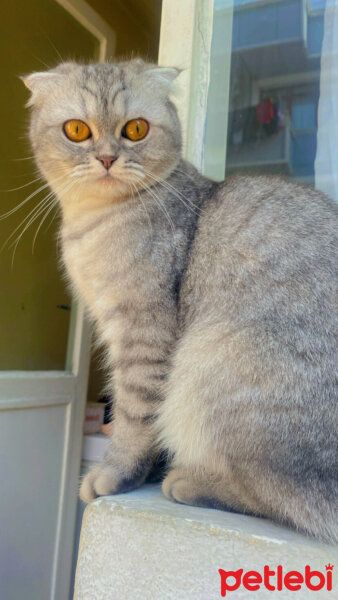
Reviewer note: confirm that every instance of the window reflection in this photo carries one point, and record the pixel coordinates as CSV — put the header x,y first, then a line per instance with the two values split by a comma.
x,y
274,87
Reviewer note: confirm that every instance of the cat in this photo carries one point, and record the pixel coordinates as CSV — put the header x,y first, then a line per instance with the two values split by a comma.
x,y
216,302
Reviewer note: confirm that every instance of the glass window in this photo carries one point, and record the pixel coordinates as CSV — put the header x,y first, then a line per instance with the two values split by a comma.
x,y
274,87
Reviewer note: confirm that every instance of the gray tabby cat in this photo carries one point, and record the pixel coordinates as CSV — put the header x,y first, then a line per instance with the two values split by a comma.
x,y
215,301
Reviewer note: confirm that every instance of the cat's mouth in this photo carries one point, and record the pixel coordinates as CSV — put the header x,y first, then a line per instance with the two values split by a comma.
x,y
107,179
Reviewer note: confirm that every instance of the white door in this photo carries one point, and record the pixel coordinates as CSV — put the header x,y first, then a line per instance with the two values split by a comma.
x,y
41,411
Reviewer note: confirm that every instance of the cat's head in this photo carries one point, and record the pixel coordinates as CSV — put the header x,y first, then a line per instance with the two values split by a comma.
x,y
100,131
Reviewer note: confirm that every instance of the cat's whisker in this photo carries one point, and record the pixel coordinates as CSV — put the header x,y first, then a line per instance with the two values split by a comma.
x,y
25,158
16,175
41,61
82,173
165,184
48,209
137,174
31,172
131,190
53,217
55,48
49,201
18,206
144,208
157,200
24,185
190,205
33,194
34,213
81,169
160,204
32,219
134,165
53,203
176,170
162,181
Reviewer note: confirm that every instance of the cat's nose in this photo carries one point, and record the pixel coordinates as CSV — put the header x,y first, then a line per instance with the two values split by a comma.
x,y
107,161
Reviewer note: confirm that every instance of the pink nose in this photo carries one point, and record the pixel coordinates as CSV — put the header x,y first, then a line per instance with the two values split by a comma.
x,y
107,161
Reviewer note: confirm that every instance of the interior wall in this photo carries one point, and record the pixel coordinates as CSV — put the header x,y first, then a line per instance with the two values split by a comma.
x,y
137,25
34,301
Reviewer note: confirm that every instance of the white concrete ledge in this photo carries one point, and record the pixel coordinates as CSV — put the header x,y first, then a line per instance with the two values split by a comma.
x,y
140,546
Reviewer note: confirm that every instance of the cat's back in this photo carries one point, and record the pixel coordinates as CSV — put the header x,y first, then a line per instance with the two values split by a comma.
x,y
265,206
262,244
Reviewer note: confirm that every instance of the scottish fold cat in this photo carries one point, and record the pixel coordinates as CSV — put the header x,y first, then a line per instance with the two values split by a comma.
x,y
216,302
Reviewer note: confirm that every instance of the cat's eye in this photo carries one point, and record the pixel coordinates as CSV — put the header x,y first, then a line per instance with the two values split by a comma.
x,y
136,129
76,131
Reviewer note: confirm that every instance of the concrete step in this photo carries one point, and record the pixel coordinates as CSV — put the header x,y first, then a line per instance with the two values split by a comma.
x,y
140,546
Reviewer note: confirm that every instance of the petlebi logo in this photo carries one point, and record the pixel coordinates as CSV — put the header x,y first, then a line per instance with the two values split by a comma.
x,y
276,579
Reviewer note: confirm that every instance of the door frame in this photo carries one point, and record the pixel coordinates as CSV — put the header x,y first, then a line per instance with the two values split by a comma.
x,y
38,389
192,22
91,20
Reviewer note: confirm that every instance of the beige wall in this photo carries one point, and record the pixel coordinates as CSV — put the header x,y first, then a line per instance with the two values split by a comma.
x,y
33,330
137,25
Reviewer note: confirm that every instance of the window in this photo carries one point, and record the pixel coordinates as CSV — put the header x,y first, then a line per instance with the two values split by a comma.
x,y
274,87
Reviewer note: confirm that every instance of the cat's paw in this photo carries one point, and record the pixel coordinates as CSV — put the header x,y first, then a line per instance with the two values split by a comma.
x,y
177,487
100,481
105,479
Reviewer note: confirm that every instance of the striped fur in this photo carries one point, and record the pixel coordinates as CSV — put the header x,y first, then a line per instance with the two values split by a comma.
x,y
216,304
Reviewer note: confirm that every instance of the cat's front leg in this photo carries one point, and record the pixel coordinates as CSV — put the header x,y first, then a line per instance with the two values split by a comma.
x,y
126,464
138,378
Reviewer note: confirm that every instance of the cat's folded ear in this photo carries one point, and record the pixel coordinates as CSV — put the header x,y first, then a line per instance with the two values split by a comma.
x,y
40,84
166,73
163,76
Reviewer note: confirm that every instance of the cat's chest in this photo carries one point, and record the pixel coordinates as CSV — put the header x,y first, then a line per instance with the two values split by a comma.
x,y
122,264
108,266
99,267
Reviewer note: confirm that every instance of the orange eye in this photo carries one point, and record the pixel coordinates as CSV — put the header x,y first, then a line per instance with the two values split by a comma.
x,y
135,130
77,131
